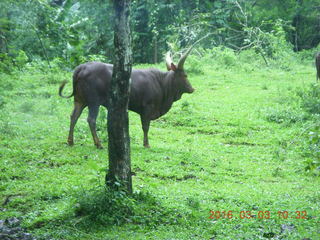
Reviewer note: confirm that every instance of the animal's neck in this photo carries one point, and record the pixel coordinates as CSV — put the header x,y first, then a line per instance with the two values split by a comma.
x,y
170,92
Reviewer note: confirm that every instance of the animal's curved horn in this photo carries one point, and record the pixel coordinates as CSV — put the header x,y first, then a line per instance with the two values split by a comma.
x,y
168,60
185,55
183,58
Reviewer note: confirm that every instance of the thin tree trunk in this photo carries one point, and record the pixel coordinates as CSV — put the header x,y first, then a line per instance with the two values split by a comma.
x,y
42,46
296,41
296,21
155,42
118,122
264,58
3,44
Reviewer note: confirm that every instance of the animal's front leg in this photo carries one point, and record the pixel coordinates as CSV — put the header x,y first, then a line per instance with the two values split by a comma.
x,y
145,127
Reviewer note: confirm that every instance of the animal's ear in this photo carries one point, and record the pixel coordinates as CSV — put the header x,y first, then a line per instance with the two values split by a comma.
x,y
173,67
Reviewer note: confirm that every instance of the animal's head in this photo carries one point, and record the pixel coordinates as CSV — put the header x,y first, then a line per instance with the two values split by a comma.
x,y
180,77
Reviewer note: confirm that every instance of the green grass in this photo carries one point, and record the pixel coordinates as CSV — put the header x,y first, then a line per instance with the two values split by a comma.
x,y
235,144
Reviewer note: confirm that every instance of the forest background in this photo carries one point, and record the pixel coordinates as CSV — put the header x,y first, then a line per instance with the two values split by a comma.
x,y
69,32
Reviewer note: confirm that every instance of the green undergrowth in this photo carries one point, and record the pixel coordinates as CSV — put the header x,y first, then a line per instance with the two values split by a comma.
x,y
246,142
104,206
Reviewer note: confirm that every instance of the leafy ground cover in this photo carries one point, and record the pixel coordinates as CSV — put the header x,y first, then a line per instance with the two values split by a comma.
x,y
236,145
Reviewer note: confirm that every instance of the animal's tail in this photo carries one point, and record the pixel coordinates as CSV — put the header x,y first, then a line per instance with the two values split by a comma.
x,y
61,88
74,82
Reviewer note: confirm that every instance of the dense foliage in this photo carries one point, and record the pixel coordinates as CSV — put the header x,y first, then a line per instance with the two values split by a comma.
x,y
73,31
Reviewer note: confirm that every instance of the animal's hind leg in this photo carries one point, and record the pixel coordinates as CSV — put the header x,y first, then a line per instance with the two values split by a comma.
x,y
78,107
93,113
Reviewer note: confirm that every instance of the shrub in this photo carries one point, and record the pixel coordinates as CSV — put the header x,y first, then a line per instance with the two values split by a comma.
x,y
97,58
285,115
6,64
12,60
194,65
224,56
20,59
310,99
307,56
313,151
310,102
105,206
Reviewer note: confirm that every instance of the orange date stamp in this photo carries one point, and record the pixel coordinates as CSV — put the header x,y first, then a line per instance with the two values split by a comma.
x,y
257,214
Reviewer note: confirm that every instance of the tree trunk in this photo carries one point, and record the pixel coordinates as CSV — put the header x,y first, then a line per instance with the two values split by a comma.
x,y
118,129
42,46
155,56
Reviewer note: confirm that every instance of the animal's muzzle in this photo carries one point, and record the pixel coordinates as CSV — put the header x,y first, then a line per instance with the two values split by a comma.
x,y
191,90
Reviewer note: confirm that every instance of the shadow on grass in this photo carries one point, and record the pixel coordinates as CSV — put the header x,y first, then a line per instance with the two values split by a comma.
x,y
103,208
107,207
